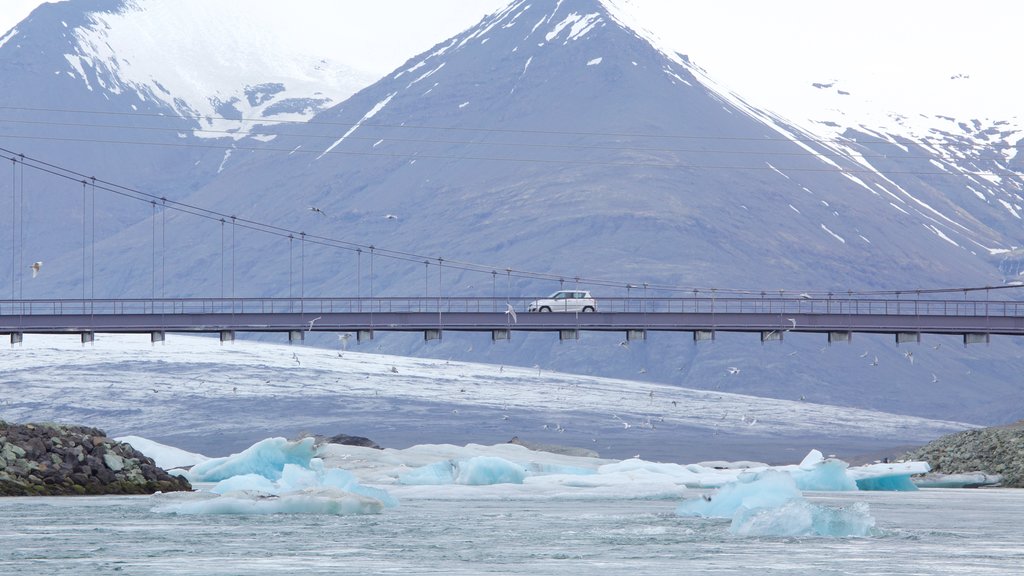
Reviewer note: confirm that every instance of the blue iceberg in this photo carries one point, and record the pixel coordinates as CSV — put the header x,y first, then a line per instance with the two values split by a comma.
x,y
769,503
276,476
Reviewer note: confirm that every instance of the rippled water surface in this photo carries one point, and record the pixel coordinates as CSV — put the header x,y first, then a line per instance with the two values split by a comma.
x,y
927,532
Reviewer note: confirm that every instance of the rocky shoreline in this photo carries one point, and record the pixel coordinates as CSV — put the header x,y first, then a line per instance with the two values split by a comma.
x,y
998,450
57,460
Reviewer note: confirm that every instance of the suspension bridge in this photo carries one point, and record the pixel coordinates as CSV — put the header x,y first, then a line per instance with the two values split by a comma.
x,y
906,315
771,317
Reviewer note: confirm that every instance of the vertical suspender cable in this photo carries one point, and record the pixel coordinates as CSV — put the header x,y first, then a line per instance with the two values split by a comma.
x,y
153,275
14,227
163,247
21,231
302,271
232,260
83,241
221,258
92,243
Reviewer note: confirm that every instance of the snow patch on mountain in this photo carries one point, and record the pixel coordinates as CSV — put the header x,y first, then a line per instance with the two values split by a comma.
x,y
198,59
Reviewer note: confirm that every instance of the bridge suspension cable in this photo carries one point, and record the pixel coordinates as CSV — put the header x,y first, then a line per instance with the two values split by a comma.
x,y
400,255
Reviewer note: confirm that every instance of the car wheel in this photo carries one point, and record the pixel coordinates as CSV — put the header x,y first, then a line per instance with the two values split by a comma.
x,y
588,308
545,309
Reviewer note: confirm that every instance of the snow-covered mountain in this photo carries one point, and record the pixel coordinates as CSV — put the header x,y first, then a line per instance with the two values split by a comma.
x,y
555,137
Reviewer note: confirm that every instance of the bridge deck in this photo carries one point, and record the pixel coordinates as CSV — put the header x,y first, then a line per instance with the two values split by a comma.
x,y
765,315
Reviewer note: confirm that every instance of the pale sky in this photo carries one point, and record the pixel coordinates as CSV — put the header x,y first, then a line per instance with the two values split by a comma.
x,y
14,11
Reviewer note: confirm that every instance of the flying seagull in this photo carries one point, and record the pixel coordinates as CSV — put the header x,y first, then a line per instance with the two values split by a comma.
x,y
390,217
511,312
732,370
310,329
35,268
317,210
793,322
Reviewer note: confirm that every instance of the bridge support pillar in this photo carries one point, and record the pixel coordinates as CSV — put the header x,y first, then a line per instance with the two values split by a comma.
x,y
501,334
902,337
88,337
296,336
771,336
157,336
16,338
975,338
701,335
364,335
632,335
839,337
227,336
432,334
568,334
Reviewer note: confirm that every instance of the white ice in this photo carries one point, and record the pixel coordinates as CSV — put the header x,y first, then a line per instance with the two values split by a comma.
x,y
280,476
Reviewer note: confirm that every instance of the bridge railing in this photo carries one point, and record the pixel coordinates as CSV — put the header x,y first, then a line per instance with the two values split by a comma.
x,y
766,305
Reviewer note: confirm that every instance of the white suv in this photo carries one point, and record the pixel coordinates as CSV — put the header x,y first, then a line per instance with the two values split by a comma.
x,y
565,301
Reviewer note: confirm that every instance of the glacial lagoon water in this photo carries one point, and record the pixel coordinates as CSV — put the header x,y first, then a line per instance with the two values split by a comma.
x,y
927,532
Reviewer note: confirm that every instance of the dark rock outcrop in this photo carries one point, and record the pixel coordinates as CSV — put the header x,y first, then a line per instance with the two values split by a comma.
x,y
342,439
996,450
55,460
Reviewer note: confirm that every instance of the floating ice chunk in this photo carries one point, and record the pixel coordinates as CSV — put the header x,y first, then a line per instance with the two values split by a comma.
x,y
765,489
266,458
482,471
888,476
798,517
166,457
816,472
245,483
295,478
309,501
476,471
768,503
964,480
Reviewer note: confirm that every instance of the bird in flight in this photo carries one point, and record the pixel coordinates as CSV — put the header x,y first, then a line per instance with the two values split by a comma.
x,y
317,211
732,370
390,217
311,323
511,313
35,268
